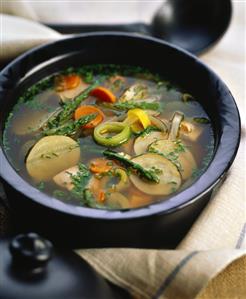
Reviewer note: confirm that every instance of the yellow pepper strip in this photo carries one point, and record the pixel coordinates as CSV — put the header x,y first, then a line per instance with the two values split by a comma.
x,y
141,115
137,127
137,118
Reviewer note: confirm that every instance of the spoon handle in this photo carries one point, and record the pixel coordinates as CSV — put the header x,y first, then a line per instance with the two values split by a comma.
x,y
83,28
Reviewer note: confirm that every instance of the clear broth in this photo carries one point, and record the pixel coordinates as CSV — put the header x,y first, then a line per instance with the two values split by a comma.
x,y
20,136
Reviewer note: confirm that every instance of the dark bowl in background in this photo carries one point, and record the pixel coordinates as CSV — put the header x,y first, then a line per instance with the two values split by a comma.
x,y
161,224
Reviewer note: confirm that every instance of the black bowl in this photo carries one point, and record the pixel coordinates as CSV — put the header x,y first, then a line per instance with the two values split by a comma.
x,y
158,225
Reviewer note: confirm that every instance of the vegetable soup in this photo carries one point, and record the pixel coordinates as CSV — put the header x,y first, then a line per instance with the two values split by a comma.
x,y
108,137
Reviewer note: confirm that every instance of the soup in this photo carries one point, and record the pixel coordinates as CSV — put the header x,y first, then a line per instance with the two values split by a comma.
x,y
109,137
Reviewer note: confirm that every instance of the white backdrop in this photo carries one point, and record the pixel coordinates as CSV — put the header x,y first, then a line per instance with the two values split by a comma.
x,y
80,11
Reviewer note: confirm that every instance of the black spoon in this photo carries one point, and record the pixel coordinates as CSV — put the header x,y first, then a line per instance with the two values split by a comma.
x,y
194,25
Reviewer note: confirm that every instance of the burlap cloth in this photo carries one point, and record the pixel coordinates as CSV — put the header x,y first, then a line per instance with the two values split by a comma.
x,y
210,262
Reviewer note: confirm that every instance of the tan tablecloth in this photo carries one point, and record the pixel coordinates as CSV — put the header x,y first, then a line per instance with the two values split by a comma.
x,y
210,261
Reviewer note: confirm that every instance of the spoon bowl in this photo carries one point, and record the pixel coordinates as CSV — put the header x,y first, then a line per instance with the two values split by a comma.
x,y
193,25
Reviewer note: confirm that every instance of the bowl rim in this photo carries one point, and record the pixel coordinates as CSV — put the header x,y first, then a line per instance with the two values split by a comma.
x,y
202,186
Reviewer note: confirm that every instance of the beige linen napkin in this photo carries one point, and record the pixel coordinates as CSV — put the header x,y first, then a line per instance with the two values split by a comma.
x,y
210,262
18,35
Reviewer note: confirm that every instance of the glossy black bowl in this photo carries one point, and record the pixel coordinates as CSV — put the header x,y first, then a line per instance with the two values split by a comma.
x,y
158,225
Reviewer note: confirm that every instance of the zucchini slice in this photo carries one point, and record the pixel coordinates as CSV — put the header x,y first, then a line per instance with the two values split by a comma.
x,y
170,179
142,143
50,155
177,153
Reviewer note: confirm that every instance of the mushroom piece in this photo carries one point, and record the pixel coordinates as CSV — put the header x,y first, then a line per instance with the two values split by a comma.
x,y
69,94
190,131
134,92
64,180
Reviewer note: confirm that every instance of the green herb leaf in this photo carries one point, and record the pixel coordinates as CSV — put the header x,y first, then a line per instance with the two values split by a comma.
x,y
70,128
79,191
59,194
41,186
171,156
90,200
125,106
201,120
147,131
148,174
80,180
36,89
69,107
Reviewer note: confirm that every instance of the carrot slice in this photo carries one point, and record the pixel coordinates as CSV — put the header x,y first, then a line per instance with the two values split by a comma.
x,y
67,82
103,94
101,196
100,165
85,110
